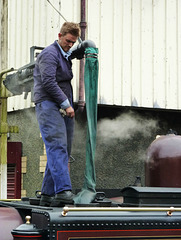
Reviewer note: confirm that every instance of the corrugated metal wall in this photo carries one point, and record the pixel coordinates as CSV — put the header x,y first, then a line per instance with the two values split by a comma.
x,y
139,45
36,23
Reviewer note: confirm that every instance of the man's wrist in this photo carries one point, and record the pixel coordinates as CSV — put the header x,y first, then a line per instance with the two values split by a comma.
x,y
65,104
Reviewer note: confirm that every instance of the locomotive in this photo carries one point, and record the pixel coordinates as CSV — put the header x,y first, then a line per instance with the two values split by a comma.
x,y
136,212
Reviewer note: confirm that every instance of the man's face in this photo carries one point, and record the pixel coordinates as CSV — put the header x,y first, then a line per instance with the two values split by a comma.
x,y
66,41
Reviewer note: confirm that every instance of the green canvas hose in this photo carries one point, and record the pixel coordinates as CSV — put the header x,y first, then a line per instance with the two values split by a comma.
x,y
88,192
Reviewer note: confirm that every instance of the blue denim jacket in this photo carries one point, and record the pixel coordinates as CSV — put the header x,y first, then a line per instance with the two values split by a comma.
x,y
52,77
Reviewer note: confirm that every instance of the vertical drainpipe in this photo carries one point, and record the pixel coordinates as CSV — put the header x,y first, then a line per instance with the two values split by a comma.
x,y
83,25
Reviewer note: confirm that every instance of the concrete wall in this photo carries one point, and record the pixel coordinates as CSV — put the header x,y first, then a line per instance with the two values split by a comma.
x,y
123,137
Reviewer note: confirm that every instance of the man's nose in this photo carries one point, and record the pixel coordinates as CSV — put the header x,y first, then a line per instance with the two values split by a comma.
x,y
71,44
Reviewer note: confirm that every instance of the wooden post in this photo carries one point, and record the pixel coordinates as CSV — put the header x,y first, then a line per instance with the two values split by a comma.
x,y
3,117
4,128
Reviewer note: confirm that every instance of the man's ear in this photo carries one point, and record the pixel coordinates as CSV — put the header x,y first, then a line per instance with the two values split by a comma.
x,y
59,35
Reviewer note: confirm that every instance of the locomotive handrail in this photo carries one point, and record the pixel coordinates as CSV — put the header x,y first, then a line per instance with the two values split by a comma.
x,y
169,210
10,200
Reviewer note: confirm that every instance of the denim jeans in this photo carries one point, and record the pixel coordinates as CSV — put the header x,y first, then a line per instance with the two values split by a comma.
x,y
57,134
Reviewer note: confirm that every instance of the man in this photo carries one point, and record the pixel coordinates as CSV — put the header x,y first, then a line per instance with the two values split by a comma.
x,y
53,95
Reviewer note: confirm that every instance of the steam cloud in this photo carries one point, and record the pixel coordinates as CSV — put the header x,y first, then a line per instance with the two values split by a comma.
x,y
125,127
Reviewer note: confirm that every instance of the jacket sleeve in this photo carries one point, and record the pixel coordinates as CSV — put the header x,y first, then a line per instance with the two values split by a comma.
x,y
48,67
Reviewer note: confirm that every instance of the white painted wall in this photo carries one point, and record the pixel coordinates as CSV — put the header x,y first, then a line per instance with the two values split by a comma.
x,y
139,45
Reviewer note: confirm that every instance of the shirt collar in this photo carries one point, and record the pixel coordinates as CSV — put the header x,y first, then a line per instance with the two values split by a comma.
x,y
65,54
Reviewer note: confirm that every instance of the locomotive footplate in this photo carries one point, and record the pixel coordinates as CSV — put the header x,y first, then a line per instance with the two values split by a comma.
x,y
100,221
108,223
83,223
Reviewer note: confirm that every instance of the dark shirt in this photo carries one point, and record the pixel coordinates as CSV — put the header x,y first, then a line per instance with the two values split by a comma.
x,y
52,76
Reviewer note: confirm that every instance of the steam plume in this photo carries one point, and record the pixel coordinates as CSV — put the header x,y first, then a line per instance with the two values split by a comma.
x,y
125,127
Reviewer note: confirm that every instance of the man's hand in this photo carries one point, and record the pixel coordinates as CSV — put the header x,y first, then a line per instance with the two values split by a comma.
x,y
70,112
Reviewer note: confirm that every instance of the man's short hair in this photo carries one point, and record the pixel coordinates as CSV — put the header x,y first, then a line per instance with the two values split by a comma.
x,y
70,27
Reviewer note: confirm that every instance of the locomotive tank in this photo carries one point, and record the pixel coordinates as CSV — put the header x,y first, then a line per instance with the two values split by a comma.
x,y
163,163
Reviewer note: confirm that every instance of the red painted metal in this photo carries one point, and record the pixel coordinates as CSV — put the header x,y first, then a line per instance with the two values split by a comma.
x,y
14,153
9,219
24,237
83,25
163,164
119,234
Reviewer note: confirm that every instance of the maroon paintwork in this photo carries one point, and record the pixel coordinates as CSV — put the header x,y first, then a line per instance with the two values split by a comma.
x,y
163,163
143,234
14,153
9,219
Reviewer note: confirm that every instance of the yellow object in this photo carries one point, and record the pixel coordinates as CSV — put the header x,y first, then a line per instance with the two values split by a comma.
x,y
4,129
